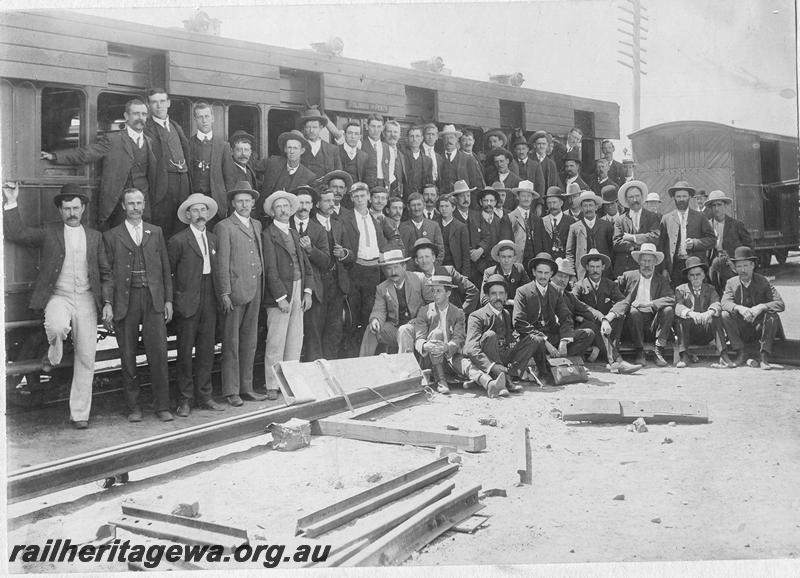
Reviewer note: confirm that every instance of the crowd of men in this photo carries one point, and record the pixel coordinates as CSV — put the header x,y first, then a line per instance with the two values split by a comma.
x,y
483,267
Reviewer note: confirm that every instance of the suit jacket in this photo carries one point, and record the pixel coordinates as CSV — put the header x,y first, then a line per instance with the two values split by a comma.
x,y
386,307
463,167
319,256
556,243
328,155
533,172
419,172
116,150
762,290
597,186
223,170
361,163
158,188
478,324
485,236
708,300
120,247
465,294
186,263
616,172
428,320
371,168
275,168
522,230
278,268
549,172
490,171
544,316
455,237
341,238
661,294
697,228
516,279
409,234
236,174
601,300
734,234
348,221
51,241
577,308
578,243
648,232
236,272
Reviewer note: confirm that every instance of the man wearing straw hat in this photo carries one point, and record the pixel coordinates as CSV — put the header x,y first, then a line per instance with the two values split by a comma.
x,y
456,164
697,314
440,334
496,355
284,173
289,283
652,202
633,228
239,287
731,233
589,232
648,306
397,301
527,229
556,223
319,156
193,260
750,308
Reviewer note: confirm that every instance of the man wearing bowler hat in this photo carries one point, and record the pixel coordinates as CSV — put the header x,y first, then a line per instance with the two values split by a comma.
x,y
193,260
648,306
319,156
284,173
289,286
240,280
556,223
683,233
572,170
750,308
697,314
634,227
730,233
456,164
610,208
73,284
589,232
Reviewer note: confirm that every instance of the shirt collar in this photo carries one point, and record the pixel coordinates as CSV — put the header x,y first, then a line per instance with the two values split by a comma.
x,y
298,221
590,223
323,220
351,151
201,136
282,226
197,232
163,123
447,222
133,134
244,220
542,290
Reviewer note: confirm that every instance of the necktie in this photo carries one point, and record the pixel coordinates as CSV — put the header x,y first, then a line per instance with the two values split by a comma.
x,y
636,222
301,229
392,164
166,125
137,235
682,236
205,245
434,168
139,141
366,231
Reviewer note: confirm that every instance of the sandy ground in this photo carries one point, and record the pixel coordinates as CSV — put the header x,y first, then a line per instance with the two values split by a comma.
x,y
726,490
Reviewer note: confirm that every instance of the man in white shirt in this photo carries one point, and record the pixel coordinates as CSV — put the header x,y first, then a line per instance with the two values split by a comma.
x,y
377,168
397,171
430,134
319,157
354,160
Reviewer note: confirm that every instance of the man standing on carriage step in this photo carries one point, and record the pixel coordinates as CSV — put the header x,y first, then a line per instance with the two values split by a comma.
x,y
171,149
319,156
74,282
193,260
139,263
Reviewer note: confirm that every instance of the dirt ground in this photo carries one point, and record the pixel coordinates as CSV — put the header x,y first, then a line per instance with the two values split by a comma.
x,y
726,490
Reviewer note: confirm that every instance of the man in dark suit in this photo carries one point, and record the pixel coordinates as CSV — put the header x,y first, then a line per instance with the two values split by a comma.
x,y
730,233
616,170
498,357
556,224
750,308
455,237
128,162
648,306
424,254
391,221
419,165
495,139
139,263
338,183
527,229
171,150
430,196
285,173
528,169
334,283
211,162
290,286
683,233
589,232
634,227
502,160
430,136
319,156
417,227
456,165
193,260
546,165
600,178
242,144
354,160
572,171
397,182
698,317
73,284
314,242
376,171
239,286
486,229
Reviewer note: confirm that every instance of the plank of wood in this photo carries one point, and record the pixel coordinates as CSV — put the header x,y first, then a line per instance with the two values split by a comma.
x,y
390,435
397,545
655,411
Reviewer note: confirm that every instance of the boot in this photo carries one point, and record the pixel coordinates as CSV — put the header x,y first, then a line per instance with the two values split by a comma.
x,y
441,381
684,360
741,359
640,360
622,366
497,387
660,361
765,365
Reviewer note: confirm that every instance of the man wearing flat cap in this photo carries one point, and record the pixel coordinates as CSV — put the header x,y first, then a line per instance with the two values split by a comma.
x,y
633,228
319,156
284,173
73,284
648,306
683,233
457,165
289,286
589,232
697,314
240,281
750,308
193,261
730,233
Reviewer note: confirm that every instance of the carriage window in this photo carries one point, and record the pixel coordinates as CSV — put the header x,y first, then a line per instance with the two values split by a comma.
x,y
111,111
62,117
246,118
179,113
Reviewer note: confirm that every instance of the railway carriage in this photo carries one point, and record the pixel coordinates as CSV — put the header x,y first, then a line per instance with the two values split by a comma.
x,y
65,77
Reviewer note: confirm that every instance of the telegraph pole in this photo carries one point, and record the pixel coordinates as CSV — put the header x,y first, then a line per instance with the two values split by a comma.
x,y
632,28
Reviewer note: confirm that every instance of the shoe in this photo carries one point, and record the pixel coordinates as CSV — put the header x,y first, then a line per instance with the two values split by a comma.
x,y
513,387
212,405
55,351
640,359
624,367
593,354
235,400
684,361
694,358
660,361
184,408
80,424
253,396
443,388
164,415
741,359
272,394
135,415
497,387
765,365
725,361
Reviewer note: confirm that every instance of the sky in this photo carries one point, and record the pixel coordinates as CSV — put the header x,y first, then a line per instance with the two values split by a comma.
x,y
733,62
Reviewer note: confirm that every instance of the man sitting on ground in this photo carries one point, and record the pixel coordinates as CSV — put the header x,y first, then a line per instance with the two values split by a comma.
x,y
578,309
